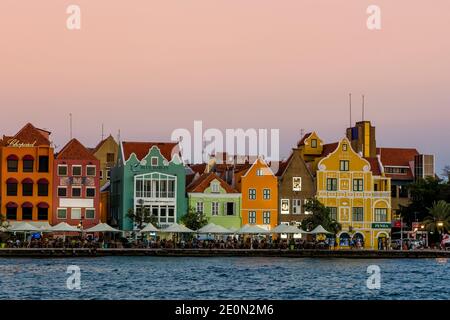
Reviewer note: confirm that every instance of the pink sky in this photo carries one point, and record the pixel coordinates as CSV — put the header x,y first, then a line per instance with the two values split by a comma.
x,y
147,67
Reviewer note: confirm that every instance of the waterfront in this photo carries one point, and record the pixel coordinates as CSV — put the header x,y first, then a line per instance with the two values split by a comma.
x,y
223,278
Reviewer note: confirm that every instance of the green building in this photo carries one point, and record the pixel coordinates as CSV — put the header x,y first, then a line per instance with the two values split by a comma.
x,y
221,203
148,175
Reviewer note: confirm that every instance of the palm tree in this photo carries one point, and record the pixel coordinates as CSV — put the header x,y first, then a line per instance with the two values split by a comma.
x,y
439,218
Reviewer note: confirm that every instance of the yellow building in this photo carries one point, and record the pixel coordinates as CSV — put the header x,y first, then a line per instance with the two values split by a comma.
x,y
106,151
358,195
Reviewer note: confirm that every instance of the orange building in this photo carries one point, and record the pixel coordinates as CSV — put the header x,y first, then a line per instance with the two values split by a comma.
x,y
259,188
26,163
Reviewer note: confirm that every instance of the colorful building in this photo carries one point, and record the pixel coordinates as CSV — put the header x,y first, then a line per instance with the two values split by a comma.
x,y
358,195
76,181
296,184
216,199
150,176
259,187
27,175
106,152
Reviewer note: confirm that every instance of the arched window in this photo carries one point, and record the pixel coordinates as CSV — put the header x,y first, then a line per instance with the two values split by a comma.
x,y
27,187
344,239
43,187
43,211
11,211
27,211
28,163
11,187
13,163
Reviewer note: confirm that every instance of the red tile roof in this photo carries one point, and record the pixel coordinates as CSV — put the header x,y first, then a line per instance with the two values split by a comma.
x,y
141,149
198,167
74,150
302,140
29,134
100,144
203,182
374,166
329,148
397,156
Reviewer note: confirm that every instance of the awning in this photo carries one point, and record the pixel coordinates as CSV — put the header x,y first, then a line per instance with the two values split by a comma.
x,y
12,181
43,205
27,181
12,157
28,157
27,205
11,205
42,181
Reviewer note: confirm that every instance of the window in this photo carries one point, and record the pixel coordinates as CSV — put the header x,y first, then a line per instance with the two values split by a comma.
x,y
101,174
61,213
76,192
76,171
344,147
27,213
90,192
75,213
108,174
62,191
296,206
230,208
42,189
252,217
259,172
214,208
252,194
333,213
331,184
27,189
90,213
215,187
284,206
13,165
11,213
380,214
344,165
199,207
314,143
393,191
11,188
266,194
28,165
43,164
110,157
403,191
266,217
62,170
154,161
91,171
42,213
358,214
296,183
358,185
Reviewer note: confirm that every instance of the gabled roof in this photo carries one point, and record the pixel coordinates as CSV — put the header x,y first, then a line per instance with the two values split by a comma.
x,y
141,149
74,150
302,140
329,148
374,166
204,181
29,134
283,165
100,144
397,156
198,167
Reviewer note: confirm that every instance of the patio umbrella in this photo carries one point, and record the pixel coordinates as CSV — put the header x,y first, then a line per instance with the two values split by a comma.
x,y
319,230
284,228
177,228
149,228
23,227
214,229
102,227
251,229
63,227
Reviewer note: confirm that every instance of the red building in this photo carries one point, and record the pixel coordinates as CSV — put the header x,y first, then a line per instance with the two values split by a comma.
x,y
76,191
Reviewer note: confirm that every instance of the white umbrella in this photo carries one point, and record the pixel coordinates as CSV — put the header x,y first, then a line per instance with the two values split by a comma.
x,y
177,228
23,227
285,228
63,227
214,229
319,230
149,228
102,227
251,229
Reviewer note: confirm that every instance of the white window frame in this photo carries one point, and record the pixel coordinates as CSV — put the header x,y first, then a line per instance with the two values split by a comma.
x,y
199,205
157,161
95,170
250,193
264,194
108,174
259,172
100,173
215,187
85,213
57,213
76,187
215,208
90,188
62,166
81,170
71,214
251,216
57,191
264,216
297,204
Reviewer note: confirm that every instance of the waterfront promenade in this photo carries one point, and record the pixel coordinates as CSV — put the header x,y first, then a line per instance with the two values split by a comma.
x,y
306,253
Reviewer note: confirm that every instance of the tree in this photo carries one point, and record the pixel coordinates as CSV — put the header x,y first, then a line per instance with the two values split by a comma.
x,y
446,173
321,215
142,215
194,220
439,218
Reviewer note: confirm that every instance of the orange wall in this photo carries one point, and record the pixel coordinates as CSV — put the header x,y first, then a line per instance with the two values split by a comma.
x,y
20,175
104,206
267,181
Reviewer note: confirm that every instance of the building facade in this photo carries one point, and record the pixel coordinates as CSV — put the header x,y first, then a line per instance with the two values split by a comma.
x,y
259,187
296,184
149,176
106,152
76,191
27,175
358,195
216,199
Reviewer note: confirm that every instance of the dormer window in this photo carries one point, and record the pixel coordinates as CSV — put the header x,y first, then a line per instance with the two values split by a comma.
x,y
259,172
215,187
154,161
313,143
344,147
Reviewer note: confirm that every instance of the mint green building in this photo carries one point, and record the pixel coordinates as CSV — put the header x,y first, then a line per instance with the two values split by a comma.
x,y
215,198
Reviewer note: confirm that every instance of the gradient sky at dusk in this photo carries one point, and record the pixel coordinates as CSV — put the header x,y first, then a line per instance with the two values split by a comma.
x,y
147,67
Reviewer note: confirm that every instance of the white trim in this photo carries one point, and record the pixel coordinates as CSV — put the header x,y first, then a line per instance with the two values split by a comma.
x,y
90,188
91,166
76,166
71,212
76,187
57,217
62,165
85,213
57,191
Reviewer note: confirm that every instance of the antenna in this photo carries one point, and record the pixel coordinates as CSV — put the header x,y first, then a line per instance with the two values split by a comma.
x,y
103,131
363,107
118,136
70,121
350,103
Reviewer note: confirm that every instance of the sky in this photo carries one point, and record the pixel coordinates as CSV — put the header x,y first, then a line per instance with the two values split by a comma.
x,y
147,67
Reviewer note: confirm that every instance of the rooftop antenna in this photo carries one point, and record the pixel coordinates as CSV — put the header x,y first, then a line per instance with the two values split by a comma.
x,y
103,131
70,121
363,107
350,103
118,136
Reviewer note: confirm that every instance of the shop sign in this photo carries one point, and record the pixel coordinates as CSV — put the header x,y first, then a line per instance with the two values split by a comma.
x,y
381,225
16,143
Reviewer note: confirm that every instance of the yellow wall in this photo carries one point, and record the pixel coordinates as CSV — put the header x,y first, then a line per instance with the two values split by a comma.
x,y
109,146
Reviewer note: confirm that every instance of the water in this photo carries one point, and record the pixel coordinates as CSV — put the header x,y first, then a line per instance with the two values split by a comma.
x,y
223,278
